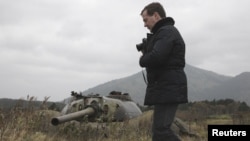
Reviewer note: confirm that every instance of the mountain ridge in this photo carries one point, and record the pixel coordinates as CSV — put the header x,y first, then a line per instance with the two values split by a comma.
x,y
202,85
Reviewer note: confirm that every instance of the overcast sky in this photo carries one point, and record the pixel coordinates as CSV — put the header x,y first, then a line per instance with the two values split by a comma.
x,y
51,47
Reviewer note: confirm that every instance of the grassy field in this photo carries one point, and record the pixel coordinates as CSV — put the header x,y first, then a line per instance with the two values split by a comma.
x,y
34,125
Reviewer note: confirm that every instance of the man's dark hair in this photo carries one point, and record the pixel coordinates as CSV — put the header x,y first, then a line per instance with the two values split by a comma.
x,y
154,7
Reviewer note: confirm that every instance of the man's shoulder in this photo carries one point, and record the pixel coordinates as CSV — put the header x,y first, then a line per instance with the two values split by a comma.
x,y
166,30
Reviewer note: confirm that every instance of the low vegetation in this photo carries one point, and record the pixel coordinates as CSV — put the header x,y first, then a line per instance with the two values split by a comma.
x,y
31,123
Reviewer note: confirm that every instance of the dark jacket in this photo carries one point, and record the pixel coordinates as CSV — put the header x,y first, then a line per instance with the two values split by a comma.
x,y
164,59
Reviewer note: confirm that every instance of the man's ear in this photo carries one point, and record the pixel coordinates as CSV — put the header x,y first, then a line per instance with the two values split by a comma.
x,y
157,16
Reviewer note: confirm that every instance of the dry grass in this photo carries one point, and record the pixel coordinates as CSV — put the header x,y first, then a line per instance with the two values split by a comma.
x,y
34,125
20,125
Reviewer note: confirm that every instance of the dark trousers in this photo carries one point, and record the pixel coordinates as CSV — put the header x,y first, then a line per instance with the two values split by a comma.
x,y
163,117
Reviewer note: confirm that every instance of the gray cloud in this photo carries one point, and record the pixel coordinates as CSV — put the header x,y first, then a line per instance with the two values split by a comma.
x,y
49,48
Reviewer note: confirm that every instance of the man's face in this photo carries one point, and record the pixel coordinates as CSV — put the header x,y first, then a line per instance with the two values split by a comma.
x,y
149,21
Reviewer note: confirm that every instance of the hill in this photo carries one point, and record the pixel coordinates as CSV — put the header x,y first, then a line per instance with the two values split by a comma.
x,y
202,85
235,88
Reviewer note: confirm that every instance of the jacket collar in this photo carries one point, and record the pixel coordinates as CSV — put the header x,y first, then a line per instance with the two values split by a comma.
x,y
161,23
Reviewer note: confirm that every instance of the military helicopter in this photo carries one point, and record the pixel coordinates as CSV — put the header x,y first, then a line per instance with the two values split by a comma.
x,y
115,107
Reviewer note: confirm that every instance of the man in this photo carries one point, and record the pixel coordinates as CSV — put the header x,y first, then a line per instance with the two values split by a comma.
x,y
164,60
